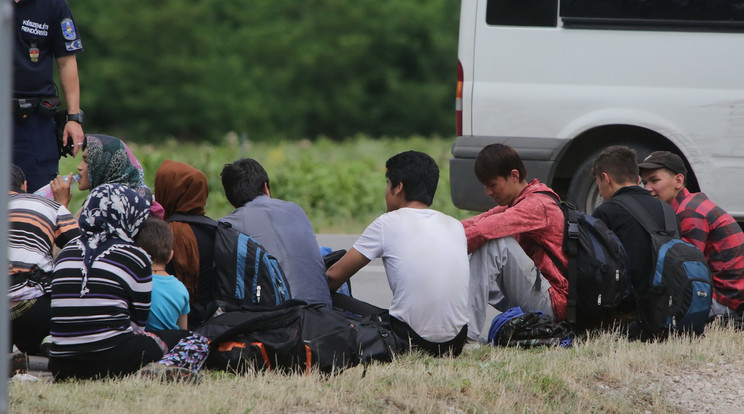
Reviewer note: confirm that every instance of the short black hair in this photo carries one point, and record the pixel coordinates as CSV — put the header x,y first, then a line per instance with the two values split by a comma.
x,y
156,238
17,177
619,162
498,160
417,171
243,180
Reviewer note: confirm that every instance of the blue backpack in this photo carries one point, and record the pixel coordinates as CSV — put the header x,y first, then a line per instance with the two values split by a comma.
x,y
680,292
245,273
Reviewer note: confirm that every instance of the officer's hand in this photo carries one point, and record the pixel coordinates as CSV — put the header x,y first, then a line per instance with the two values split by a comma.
x,y
75,131
61,189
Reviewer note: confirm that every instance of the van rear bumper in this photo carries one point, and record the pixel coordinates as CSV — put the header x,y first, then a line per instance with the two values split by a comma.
x,y
537,154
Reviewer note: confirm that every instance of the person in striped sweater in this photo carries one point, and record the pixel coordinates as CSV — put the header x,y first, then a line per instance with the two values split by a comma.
x,y
705,225
101,295
35,225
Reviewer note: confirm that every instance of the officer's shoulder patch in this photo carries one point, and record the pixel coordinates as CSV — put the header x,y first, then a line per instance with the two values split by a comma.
x,y
74,45
68,29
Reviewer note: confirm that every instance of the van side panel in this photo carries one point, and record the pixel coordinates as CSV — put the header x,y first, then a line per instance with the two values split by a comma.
x,y
532,84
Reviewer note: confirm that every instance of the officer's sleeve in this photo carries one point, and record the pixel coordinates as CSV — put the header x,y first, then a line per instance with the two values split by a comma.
x,y
64,33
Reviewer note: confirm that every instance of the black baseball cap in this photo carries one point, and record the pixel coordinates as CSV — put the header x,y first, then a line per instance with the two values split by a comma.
x,y
664,159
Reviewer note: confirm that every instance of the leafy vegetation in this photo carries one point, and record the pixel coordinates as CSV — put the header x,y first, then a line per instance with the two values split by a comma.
x,y
340,185
196,70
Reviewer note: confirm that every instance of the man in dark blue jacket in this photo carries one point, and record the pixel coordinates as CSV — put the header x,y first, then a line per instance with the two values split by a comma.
x,y
616,173
45,32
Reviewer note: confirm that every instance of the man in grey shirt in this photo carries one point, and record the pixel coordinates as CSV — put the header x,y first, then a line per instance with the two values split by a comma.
x,y
280,226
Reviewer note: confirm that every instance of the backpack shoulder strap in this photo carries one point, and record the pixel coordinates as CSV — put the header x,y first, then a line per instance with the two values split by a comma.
x,y
551,195
571,248
189,218
636,210
670,220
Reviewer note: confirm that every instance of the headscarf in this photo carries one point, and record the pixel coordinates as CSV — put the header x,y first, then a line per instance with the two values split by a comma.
x,y
111,162
183,189
112,214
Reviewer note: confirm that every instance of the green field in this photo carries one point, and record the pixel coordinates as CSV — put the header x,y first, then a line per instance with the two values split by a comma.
x,y
340,184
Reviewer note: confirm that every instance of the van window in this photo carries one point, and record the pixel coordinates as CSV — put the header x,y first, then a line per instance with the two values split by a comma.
x,y
522,12
682,14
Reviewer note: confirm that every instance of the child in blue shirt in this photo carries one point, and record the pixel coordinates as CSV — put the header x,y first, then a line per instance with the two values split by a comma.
x,y
169,304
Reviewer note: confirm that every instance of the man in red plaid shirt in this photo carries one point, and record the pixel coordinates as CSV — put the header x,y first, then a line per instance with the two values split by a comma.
x,y
703,224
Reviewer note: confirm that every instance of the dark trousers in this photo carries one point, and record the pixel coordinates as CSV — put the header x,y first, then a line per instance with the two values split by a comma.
x,y
35,149
404,333
29,324
126,358
437,349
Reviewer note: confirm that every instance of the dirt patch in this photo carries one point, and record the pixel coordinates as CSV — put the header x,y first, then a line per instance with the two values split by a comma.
x,y
716,387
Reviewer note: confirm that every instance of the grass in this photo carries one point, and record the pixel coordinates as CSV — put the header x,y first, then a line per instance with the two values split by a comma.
x,y
339,184
603,374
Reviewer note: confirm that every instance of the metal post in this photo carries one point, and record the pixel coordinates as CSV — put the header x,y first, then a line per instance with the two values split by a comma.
x,y
6,45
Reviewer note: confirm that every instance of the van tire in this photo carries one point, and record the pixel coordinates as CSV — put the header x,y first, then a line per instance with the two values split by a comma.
x,y
583,191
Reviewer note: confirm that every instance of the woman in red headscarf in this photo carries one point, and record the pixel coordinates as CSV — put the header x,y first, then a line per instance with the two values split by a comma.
x,y
182,190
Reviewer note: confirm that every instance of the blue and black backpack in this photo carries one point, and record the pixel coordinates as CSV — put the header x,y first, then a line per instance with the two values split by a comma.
x,y
597,280
680,292
245,273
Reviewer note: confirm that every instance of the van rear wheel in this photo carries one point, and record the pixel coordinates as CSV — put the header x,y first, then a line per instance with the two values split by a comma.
x,y
583,191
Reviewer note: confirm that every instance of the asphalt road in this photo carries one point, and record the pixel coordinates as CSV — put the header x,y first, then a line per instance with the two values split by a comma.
x,y
370,284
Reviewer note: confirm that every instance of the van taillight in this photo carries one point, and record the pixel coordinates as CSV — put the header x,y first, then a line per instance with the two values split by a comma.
x,y
458,101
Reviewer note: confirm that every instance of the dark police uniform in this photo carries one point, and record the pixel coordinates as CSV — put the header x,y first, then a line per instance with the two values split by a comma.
x,y
45,30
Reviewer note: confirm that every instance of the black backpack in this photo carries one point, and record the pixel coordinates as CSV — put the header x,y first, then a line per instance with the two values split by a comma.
x,y
597,280
680,290
292,338
246,274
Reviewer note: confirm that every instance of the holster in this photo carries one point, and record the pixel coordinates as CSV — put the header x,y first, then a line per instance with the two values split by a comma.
x,y
60,118
23,107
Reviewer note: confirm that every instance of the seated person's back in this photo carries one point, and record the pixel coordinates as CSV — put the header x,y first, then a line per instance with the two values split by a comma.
x,y
280,226
183,191
425,258
35,226
616,173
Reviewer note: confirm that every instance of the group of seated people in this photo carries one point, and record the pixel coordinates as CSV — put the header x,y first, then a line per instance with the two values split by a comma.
x,y
134,276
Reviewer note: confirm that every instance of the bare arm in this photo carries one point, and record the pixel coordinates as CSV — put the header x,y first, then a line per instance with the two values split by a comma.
x,y
61,189
345,268
68,77
183,322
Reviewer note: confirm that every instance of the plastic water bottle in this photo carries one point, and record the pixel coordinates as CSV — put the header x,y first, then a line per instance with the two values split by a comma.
x,y
47,192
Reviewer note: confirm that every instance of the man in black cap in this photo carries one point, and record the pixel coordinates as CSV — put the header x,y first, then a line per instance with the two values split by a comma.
x,y
703,224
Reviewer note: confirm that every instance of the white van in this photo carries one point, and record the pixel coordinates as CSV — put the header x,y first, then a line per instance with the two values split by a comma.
x,y
561,80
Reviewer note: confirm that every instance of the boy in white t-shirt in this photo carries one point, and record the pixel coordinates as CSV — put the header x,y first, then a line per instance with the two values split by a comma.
x,y
169,304
425,257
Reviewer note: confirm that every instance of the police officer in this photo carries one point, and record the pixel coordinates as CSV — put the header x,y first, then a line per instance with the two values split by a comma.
x,y
45,31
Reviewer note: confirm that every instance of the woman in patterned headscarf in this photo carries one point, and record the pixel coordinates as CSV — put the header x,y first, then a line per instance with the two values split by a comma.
x,y
108,160
101,292
183,191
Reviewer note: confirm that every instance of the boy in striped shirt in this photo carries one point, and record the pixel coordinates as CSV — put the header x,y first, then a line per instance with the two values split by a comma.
x,y
705,225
